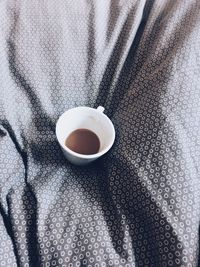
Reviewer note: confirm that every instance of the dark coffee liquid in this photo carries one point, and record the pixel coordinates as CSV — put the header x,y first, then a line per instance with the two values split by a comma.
x,y
83,141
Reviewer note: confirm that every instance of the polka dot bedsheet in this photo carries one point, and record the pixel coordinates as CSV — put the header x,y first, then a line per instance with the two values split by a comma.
x,y
139,205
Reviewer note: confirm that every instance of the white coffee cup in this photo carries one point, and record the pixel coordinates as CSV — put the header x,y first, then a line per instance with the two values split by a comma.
x,y
88,118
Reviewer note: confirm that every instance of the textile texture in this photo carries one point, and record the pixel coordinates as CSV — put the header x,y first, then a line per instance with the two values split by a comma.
x,y
139,205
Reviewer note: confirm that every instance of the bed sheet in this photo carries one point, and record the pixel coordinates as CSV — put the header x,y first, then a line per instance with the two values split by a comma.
x,y
138,205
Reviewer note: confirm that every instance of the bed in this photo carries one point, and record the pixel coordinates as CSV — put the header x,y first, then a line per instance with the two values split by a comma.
x,y
139,205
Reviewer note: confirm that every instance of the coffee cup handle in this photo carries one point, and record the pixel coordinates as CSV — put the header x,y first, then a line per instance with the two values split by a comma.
x,y
100,109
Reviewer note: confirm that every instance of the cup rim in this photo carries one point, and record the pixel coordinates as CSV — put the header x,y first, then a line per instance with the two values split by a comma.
x,y
83,156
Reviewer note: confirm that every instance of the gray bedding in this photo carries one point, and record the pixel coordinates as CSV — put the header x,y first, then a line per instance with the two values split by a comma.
x,y
139,205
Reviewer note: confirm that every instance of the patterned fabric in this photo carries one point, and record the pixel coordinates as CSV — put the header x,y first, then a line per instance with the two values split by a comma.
x,y
139,205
